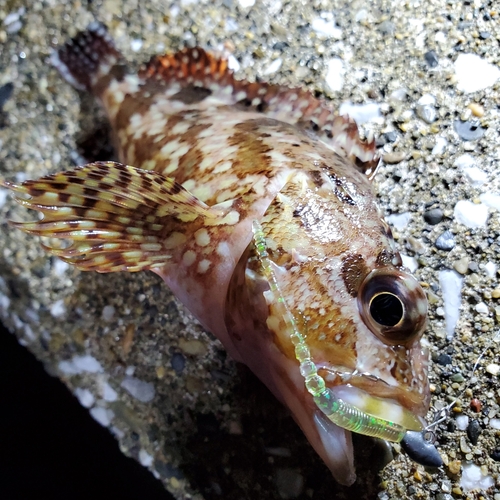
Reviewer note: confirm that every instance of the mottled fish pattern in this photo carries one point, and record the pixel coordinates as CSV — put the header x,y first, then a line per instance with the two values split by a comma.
x,y
205,158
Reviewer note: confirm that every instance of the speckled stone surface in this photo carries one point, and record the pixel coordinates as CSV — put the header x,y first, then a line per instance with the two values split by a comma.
x,y
132,354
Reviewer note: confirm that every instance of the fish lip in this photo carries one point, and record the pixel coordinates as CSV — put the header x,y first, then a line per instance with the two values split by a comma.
x,y
411,400
377,399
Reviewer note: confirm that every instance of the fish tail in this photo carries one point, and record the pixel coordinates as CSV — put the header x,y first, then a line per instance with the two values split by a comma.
x,y
89,59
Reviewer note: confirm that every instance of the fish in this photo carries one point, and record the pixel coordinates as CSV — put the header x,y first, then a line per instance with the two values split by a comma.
x,y
254,203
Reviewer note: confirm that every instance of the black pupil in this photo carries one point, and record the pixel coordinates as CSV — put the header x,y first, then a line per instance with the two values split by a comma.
x,y
386,309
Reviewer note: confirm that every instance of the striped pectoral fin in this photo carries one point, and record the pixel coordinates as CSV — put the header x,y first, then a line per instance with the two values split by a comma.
x,y
117,216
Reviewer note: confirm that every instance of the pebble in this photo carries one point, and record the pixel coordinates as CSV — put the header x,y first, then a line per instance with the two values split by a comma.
x,y
5,93
473,431
473,73
362,113
431,59
482,308
399,221
394,157
445,241
85,397
471,215
495,423
491,200
475,176
139,389
476,109
462,422
493,369
326,28
457,377
469,130
101,415
427,113
451,286
496,293
335,74
461,265
473,478
273,67
108,313
193,347
495,455
490,269
444,359
433,216
440,146
178,362
476,405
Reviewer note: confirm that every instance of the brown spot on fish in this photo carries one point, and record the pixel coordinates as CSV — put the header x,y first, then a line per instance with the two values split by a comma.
x,y
191,95
353,272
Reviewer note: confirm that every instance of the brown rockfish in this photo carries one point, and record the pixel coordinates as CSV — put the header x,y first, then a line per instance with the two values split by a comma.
x,y
254,204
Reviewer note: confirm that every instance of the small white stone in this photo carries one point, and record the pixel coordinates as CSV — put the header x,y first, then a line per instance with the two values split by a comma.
x,y
472,478
440,37
80,364
130,370
139,389
273,67
482,308
335,74
104,416
231,25
493,369
427,99
440,146
464,161
409,262
58,309
471,215
145,459
495,423
59,266
108,313
326,28
491,200
85,397
462,422
490,268
136,44
246,3
474,73
362,113
399,221
108,393
475,176
451,286
3,196
232,63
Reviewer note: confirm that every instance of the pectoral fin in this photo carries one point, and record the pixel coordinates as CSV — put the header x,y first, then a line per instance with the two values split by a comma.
x,y
118,217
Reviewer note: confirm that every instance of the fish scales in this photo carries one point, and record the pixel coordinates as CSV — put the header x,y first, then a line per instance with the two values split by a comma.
x,y
254,203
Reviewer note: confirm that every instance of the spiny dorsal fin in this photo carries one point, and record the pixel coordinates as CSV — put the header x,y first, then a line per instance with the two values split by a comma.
x,y
117,216
195,67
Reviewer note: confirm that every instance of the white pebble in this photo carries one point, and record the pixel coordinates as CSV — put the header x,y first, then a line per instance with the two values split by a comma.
x,y
136,44
104,416
139,389
491,200
326,28
107,313
493,369
474,73
464,161
462,422
85,397
409,262
475,176
495,423
362,113
246,3
440,146
58,309
232,63
80,364
451,286
59,266
335,74
273,67
399,221
427,99
108,393
472,478
482,308
471,215
3,196
145,459
490,268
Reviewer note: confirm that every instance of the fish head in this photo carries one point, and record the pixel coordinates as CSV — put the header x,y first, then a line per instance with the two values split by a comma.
x,y
326,310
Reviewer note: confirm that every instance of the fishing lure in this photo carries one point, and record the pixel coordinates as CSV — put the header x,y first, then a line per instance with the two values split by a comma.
x,y
254,204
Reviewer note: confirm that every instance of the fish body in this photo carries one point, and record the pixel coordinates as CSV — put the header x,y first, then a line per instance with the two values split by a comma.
x,y
254,204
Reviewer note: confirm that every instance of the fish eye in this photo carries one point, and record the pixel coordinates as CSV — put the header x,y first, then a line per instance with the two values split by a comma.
x,y
393,305
386,309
